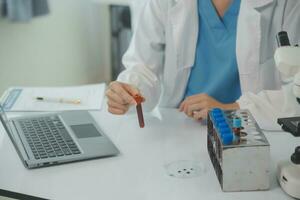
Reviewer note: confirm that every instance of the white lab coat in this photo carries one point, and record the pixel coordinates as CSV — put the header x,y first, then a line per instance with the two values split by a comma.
x,y
162,51
136,7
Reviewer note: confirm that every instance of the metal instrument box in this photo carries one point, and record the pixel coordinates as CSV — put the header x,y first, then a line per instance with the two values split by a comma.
x,y
240,156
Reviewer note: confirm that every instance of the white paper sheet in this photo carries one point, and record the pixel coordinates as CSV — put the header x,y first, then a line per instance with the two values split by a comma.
x,y
24,98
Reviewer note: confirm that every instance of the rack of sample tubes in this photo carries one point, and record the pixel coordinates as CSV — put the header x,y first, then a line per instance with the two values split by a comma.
x,y
239,151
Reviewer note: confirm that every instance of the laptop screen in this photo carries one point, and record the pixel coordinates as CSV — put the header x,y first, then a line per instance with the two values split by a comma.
x,y
4,120
8,127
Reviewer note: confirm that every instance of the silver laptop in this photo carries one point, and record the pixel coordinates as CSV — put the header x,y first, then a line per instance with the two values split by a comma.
x,y
50,139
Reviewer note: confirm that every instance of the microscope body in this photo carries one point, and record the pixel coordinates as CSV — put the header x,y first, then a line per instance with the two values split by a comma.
x,y
287,59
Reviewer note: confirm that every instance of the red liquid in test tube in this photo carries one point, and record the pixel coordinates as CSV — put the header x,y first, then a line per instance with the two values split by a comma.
x,y
139,100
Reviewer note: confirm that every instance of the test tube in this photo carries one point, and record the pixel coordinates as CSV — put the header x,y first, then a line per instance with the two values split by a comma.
x,y
139,99
237,125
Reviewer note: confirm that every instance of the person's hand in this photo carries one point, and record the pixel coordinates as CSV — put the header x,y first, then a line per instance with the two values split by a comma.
x,y
120,97
197,106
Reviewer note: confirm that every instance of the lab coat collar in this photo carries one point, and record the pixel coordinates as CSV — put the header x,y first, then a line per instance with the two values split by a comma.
x,y
254,3
184,21
249,42
185,26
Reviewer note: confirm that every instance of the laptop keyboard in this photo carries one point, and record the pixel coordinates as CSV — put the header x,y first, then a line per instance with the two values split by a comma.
x,y
48,137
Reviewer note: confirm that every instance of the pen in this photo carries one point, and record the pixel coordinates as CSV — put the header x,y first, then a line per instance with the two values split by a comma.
x,y
139,99
58,100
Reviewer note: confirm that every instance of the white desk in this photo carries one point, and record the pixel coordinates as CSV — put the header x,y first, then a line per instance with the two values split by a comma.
x,y
138,173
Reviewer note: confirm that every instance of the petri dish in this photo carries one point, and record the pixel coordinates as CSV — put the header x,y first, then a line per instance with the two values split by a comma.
x,y
185,169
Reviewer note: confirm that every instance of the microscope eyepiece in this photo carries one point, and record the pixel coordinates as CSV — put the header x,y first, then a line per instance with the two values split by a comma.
x,y
283,39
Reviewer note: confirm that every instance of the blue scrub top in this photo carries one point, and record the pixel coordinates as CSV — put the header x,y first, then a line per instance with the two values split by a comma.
x,y
215,70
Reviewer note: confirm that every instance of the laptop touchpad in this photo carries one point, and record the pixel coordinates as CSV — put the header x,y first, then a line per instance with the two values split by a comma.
x,y
85,131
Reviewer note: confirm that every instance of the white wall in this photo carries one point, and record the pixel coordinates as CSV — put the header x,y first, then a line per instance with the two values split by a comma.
x,y
66,47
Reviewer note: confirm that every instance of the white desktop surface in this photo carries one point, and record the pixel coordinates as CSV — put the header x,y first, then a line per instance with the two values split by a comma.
x,y
138,173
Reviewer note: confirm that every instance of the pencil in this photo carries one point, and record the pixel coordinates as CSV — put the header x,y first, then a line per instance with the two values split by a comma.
x,y
59,100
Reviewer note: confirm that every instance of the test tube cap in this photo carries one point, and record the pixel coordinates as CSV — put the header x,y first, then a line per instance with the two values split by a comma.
x,y
219,120
217,110
225,131
227,138
223,124
217,115
237,122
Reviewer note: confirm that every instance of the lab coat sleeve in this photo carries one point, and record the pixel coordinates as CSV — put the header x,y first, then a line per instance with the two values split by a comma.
x,y
269,105
266,103
264,106
144,59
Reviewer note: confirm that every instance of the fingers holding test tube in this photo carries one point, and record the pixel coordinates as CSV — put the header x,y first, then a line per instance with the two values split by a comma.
x,y
120,97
